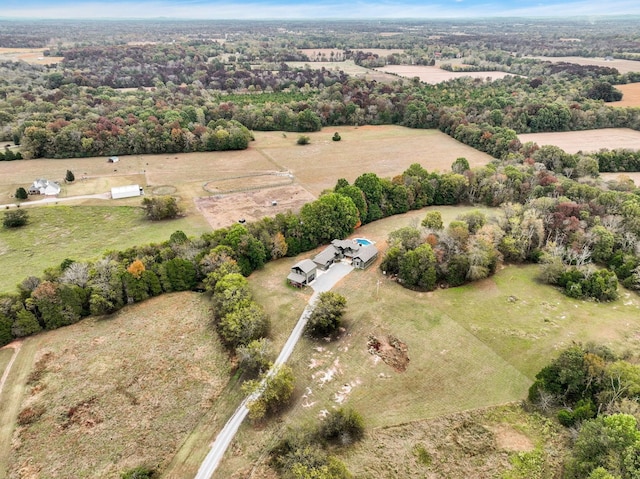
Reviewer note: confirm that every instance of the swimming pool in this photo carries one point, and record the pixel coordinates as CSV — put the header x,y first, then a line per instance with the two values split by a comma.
x,y
363,241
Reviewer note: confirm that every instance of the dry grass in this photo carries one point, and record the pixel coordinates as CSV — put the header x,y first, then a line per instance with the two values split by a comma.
x,y
120,391
630,95
477,444
29,55
435,75
587,140
384,150
350,68
623,66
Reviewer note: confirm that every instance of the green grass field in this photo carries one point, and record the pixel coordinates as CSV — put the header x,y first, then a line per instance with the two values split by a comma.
x,y
80,232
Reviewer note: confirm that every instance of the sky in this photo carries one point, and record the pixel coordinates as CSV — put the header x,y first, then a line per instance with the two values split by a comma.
x,y
313,9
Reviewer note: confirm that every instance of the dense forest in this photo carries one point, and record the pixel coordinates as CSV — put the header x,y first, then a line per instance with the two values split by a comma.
x,y
155,96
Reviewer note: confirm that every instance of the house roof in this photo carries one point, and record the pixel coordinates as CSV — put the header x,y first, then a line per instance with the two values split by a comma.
x,y
326,255
296,278
306,265
366,253
346,244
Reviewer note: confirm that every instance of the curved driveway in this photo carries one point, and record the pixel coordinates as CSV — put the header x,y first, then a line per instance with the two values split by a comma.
x,y
324,282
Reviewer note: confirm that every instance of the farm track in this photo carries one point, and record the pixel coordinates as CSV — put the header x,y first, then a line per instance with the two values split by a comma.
x,y
11,393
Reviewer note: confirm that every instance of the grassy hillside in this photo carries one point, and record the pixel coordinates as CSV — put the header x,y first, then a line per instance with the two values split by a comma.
x,y
460,349
79,232
109,394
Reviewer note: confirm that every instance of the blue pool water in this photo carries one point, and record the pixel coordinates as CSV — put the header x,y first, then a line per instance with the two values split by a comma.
x,y
363,241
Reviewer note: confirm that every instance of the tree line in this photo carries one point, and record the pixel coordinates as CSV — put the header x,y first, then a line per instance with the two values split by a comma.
x,y
594,391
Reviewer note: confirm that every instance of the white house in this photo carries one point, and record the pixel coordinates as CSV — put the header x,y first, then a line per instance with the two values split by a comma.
x,y
127,191
44,187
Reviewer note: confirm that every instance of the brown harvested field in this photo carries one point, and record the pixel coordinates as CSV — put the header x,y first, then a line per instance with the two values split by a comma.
x,y
384,150
108,394
588,140
29,55
224,210
630,95
434,75
623,66
348,67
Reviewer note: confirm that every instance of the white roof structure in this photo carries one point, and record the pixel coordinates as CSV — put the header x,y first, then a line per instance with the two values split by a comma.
x,y
127,191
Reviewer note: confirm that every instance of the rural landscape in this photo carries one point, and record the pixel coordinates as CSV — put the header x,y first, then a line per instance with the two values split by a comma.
x,y
391,248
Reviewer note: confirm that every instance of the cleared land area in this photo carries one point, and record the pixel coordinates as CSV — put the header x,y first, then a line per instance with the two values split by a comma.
x,y
349,67
384,150
108,394
588,140
630,95
29,55
623,66
55,233
635,176
434,75
445,352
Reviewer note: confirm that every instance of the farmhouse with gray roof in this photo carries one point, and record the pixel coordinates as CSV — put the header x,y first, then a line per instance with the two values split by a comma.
x,y
361,256
365,257
302,273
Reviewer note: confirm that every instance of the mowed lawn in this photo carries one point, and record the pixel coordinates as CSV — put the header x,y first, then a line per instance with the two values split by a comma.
x,y
472,347
114,393
55,233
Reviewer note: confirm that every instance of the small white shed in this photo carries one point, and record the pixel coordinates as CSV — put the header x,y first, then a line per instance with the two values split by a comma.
x,y
128,191
113,159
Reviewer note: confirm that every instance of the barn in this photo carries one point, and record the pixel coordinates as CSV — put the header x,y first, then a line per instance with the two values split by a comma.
x,y
127,191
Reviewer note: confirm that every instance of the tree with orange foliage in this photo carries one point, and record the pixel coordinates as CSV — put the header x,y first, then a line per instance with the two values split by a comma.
x,y
136,269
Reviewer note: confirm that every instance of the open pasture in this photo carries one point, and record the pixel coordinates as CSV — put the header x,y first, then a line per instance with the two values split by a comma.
x,y
29,55
635,176
468,348
630,95
55,233
113,393
348,67
588,140
384,150
623,66
435,75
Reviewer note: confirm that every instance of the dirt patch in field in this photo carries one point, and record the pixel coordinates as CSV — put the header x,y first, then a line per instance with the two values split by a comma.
x,y
508,439
630,95
391,350
225,210
588,140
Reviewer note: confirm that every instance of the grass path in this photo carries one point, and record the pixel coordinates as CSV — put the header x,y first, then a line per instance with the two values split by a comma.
x,y
11,394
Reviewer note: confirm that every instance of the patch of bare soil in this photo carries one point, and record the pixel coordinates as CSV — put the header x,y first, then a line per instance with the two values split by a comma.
x,y
509,439
224,210
391,350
